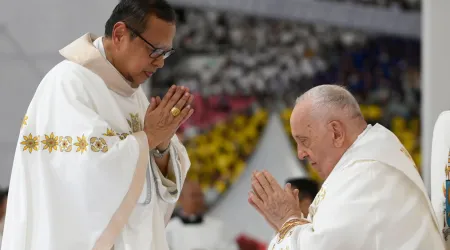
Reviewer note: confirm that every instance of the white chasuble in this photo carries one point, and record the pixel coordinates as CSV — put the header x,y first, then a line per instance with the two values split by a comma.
x,y
83,177
374,199
440,174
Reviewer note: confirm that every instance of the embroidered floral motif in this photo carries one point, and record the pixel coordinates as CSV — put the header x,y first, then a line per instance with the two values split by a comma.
x,y
123,136
50,142
81,144
65,143
98,144
110,132
135,123
24,121
30,143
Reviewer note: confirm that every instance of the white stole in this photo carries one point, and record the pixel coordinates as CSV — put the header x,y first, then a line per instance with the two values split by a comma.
x,y
387,149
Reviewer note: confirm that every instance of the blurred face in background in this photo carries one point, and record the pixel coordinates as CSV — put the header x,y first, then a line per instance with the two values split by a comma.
x,y
305,202
192,199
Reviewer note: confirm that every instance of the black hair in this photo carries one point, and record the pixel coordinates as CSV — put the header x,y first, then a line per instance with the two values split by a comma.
x,y
306,187
3,194
136,12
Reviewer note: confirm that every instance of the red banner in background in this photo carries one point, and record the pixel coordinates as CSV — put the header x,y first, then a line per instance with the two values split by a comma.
x,y
246,242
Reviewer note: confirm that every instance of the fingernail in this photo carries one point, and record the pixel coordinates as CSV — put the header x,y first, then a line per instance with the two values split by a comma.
x,y
173,87
188,106
186,94
182,87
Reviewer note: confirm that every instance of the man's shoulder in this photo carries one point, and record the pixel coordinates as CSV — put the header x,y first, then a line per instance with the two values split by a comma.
x,y
361,173
69,76
364,166
67,69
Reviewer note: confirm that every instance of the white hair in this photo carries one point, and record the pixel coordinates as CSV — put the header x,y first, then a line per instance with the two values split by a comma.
x,y
332,99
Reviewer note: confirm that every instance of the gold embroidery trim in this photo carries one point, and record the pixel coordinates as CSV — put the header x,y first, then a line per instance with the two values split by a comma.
x,y
30,143
24,121
286,228
53,143
135,123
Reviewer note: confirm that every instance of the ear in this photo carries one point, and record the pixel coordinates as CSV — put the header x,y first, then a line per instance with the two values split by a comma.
x,y
120,32
338,132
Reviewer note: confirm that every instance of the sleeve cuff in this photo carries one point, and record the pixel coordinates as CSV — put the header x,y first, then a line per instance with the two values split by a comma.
x,y
167,189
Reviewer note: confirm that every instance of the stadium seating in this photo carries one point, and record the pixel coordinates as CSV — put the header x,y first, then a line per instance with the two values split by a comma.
x,y
243,67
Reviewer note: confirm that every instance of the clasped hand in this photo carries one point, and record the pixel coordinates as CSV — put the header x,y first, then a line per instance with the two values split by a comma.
x,y
273,202
159,123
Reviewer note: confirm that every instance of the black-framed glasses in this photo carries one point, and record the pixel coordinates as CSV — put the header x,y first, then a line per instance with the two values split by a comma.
x,y
156,52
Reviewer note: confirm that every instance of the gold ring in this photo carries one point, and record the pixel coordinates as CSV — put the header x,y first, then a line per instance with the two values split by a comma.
x,y
175,111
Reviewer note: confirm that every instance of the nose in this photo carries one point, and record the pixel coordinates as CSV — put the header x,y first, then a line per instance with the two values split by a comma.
x,y
158,62
302,154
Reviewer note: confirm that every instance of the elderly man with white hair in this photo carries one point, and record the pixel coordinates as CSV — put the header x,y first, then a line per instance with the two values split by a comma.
x,y
373,196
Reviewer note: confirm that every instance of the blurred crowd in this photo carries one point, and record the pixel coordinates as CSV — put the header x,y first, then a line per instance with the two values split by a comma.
x,y
404,5
241,67
219,155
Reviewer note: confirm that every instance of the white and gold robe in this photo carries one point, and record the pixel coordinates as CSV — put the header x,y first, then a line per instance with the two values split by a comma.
x,y
374,199
440,174
83,177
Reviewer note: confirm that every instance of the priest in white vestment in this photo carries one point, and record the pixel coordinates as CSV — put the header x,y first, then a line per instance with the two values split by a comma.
x,y
373,197
96,166
440,174
192,229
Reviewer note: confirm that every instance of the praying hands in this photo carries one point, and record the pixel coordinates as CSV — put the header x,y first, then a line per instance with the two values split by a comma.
x,y
275,204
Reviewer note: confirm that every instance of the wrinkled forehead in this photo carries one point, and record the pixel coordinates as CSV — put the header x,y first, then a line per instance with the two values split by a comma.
x,y
302,122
